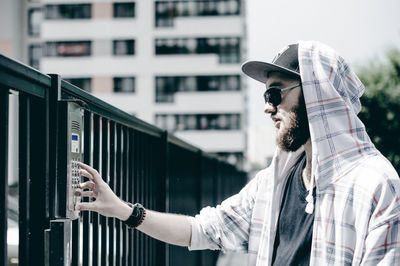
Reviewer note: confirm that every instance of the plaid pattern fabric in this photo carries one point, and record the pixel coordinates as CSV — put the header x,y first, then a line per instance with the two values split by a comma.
x,y
357,205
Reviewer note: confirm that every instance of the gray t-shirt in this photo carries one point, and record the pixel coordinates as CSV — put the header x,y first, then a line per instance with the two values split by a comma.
x,y
294,233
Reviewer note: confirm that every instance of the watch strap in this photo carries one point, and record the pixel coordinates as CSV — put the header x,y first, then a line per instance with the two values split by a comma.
x,y
137,216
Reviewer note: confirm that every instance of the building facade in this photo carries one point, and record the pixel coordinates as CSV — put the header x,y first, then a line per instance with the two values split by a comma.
x,y
173,63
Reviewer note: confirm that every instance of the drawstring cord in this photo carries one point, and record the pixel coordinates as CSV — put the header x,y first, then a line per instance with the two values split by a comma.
x,y
310,197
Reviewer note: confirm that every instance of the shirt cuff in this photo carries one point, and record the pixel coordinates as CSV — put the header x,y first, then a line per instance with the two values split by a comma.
x,y
198,241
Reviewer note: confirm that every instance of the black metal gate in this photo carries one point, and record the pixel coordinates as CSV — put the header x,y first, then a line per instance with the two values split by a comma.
x,y
141,163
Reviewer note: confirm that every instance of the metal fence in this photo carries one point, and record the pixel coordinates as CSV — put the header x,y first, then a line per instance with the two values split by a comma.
x,y
140,162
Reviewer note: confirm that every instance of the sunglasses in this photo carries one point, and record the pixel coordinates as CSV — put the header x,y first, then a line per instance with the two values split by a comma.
x,y
273,95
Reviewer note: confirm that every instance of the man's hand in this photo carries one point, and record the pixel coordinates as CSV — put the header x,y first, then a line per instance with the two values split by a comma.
x,y
107,203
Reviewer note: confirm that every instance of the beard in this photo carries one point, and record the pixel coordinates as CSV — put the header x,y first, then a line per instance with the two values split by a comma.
x,y
297,132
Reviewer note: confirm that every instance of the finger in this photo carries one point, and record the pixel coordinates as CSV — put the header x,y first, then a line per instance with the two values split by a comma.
x,y
86,194
88,185
92,171
85,173
85,206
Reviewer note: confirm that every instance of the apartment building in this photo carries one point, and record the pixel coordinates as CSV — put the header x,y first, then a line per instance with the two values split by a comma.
x,y
173,63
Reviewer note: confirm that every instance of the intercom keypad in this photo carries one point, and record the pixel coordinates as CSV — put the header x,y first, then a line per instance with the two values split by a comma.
x,y
75,182
75,135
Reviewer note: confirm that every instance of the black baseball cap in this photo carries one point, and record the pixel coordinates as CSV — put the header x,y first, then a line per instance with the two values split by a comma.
x,y
286,61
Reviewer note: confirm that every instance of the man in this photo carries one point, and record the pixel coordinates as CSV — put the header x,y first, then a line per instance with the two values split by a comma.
x,y
328,197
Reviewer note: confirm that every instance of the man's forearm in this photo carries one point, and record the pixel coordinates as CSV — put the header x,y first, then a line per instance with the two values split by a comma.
x,y
170,228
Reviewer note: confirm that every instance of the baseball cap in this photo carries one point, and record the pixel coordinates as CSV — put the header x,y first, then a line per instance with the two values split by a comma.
x,y
286,61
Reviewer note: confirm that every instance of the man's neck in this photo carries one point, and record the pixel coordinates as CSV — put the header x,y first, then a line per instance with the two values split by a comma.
x,y
307,170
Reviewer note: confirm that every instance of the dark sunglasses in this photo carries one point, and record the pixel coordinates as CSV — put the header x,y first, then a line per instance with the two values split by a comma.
x,y
273,95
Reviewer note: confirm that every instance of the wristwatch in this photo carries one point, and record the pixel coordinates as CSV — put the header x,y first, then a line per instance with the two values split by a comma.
x,y
137,216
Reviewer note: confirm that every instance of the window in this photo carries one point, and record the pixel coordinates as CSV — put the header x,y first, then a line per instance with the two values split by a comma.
x,y
69,11
68,48
166,11
228,49
83,83
166,87
124,84
35,53
124,47
124,10
34,21
174,122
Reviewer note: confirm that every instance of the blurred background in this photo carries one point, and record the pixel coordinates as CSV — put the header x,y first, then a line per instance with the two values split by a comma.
x,y
176,63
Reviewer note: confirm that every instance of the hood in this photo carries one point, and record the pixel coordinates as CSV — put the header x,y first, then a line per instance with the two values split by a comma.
x,y
332,94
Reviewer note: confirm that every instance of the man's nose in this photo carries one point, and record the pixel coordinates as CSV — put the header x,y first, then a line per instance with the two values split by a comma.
x,y
269,108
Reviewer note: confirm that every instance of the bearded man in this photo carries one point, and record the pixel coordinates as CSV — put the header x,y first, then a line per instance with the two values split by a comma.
x,y
328,197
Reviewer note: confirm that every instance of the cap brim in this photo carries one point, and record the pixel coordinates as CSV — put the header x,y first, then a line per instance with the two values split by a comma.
x,y
259,70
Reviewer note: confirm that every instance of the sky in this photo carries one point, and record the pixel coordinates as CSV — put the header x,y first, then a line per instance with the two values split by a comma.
x,y
359,30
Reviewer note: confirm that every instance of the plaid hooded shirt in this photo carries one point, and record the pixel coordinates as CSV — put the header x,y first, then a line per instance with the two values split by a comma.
x,y
357,204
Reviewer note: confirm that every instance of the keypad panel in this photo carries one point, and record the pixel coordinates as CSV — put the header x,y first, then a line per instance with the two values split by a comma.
x,y
75,182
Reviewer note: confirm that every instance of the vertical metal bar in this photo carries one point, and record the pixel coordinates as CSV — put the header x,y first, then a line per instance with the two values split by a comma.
x,y
150,194
53,127
55,137
124,193
197,179
4,103
219,183
166,189
152,165
50,147
104,174
75,242
142,193
37,184
198,175
60,149
61,161
136,194
130,193
24,176
127,188
96,164
111,256
215,183
87,147
118,192
147,192
162,194
156,164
